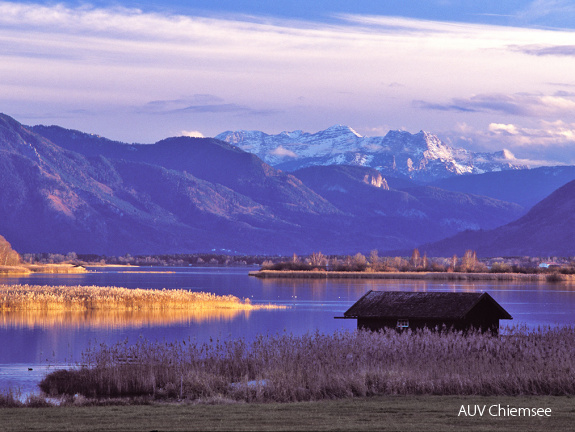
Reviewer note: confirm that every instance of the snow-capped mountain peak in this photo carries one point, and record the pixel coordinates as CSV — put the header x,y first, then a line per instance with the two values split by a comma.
x,y
422,156
507,154
342,130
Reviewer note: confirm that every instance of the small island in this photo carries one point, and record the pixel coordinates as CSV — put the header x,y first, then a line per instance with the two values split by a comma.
x,y
467,268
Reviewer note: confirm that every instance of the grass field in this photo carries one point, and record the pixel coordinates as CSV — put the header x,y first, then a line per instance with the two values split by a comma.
x,y
389,413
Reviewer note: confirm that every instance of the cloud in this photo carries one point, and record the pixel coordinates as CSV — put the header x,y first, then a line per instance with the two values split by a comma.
x,y
214,108
192,134
148,73
456,105
519,104
175,104
542,143
543,134
545,50
547,12
201,104
503,128
283,152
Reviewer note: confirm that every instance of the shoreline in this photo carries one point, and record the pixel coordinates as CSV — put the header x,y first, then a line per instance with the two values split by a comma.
x,y
436,276
28,269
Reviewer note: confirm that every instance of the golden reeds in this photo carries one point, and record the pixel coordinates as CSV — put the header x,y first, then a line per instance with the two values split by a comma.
x,y
86,298
42,268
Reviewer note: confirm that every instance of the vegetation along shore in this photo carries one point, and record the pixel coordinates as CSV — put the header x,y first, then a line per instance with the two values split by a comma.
x,y
26,269
83,298
287,368
465,268
441,276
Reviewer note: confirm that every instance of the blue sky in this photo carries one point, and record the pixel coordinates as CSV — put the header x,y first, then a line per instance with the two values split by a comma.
x,y
482,75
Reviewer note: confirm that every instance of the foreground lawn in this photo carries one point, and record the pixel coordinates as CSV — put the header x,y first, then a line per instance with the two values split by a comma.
x,y
382,413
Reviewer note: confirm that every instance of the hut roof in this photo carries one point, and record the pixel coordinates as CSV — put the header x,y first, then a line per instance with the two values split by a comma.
x,y
425,305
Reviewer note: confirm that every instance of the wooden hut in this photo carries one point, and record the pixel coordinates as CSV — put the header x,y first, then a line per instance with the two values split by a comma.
x,y
402,310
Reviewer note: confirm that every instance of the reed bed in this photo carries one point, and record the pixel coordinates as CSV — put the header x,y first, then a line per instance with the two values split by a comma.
x,y
56,268
286,368
42,268
14,270
442,276
85,298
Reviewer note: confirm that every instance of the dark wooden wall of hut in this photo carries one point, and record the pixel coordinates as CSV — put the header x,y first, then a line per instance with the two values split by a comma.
x,y
481,323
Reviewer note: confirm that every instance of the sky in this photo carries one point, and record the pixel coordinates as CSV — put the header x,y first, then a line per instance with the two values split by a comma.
x,y
481,75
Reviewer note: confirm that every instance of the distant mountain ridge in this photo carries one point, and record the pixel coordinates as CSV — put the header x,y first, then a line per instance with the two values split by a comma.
x,y
398,210
548,229
524,187
147,198
63,190
422,156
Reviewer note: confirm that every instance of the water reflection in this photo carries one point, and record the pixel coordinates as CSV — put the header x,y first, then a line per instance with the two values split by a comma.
x,y
114,319
313,304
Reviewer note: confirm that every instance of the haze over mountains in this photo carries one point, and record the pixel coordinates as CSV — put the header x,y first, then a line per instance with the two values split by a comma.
x,y
64,190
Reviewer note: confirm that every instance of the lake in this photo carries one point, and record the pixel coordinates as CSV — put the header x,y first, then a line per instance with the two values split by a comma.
x,y
42,341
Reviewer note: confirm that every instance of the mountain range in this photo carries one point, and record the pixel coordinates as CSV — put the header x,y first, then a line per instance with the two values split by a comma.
x,y
63,190
548,229
422,156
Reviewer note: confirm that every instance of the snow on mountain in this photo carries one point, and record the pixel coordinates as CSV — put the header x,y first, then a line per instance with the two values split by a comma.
x,y
421,156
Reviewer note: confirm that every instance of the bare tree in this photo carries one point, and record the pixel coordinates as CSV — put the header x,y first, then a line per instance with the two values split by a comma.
x,y
317,259
453,265
415,260
8,256
469,261
359,262
374,260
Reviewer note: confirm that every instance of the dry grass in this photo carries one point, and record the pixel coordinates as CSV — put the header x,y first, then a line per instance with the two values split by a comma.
x,y
87,298
14,270
42,268
286,368
56,268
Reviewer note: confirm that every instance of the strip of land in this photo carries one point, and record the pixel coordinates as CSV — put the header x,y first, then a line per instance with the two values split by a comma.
x,y
85,298
441,276
26,269
389,413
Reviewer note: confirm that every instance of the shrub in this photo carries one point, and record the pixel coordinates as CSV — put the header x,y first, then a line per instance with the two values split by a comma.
x,y
501,267
9,399
288,265
554,277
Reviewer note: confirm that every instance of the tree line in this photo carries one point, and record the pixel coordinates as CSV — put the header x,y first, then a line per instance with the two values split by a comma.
x,y
373,262
467,263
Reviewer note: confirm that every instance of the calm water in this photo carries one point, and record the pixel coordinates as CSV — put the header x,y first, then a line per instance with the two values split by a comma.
x,y
40,341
